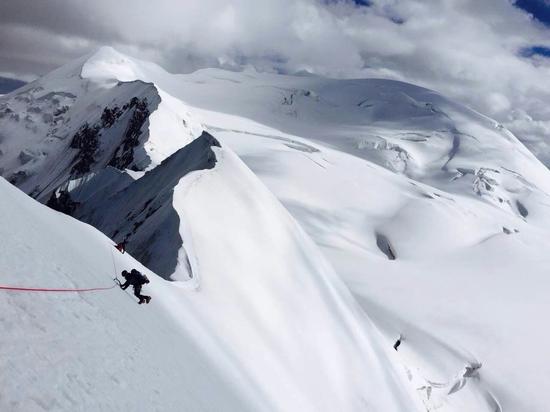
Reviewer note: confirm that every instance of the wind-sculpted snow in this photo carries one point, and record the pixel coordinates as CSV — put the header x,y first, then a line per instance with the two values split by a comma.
x,y
143,212
462,275
270,327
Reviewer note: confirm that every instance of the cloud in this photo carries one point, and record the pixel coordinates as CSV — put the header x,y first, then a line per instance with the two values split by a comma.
x,y
474,51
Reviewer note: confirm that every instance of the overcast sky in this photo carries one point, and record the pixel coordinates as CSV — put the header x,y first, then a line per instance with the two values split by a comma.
x,y
493,55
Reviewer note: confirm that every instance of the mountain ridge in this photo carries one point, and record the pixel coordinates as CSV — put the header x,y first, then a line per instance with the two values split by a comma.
x,y
386,207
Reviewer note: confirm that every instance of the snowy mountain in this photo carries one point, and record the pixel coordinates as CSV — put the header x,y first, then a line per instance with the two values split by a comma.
x,y
65,126
301,224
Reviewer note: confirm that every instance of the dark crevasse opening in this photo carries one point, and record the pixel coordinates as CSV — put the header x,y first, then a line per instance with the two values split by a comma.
x,y
384,245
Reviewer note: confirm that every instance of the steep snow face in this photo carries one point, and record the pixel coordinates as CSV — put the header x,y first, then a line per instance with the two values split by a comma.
x,y
468,283
280,298
97,350
266,301
348,206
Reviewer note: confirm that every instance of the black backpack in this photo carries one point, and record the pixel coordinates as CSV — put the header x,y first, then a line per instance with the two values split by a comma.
x,y
139,277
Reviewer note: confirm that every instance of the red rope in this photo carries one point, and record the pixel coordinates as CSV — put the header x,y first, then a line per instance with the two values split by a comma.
x,y
23,289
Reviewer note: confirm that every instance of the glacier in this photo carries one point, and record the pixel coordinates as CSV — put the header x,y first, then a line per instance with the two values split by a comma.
x,y
293,228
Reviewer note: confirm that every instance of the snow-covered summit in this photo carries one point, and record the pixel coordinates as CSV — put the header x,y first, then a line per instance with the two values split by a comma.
x,y
109,64
65,125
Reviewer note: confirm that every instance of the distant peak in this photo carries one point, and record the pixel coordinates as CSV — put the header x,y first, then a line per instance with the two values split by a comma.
x,y
107,53
109,63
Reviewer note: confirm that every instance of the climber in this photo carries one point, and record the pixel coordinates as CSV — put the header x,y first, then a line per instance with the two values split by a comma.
x,y
121,247
137,280
397,342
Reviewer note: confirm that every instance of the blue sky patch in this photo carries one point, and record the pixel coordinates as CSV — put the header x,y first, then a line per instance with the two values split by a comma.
x,y
366,3
540,9
536,51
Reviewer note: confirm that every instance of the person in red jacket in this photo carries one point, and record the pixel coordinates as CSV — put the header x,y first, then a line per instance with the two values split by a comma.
x,y
121,247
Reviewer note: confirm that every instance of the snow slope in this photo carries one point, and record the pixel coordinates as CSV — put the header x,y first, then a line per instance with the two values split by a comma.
x,y
481,212
434,216
469,283
463,273
271,326
407,129
91,351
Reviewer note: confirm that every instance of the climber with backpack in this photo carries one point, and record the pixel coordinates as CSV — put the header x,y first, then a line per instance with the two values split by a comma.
x,y
137,280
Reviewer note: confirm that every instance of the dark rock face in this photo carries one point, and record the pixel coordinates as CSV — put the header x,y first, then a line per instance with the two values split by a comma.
x,y
522,209
62,202
384,245
124,154
110,116
17,177
87,141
